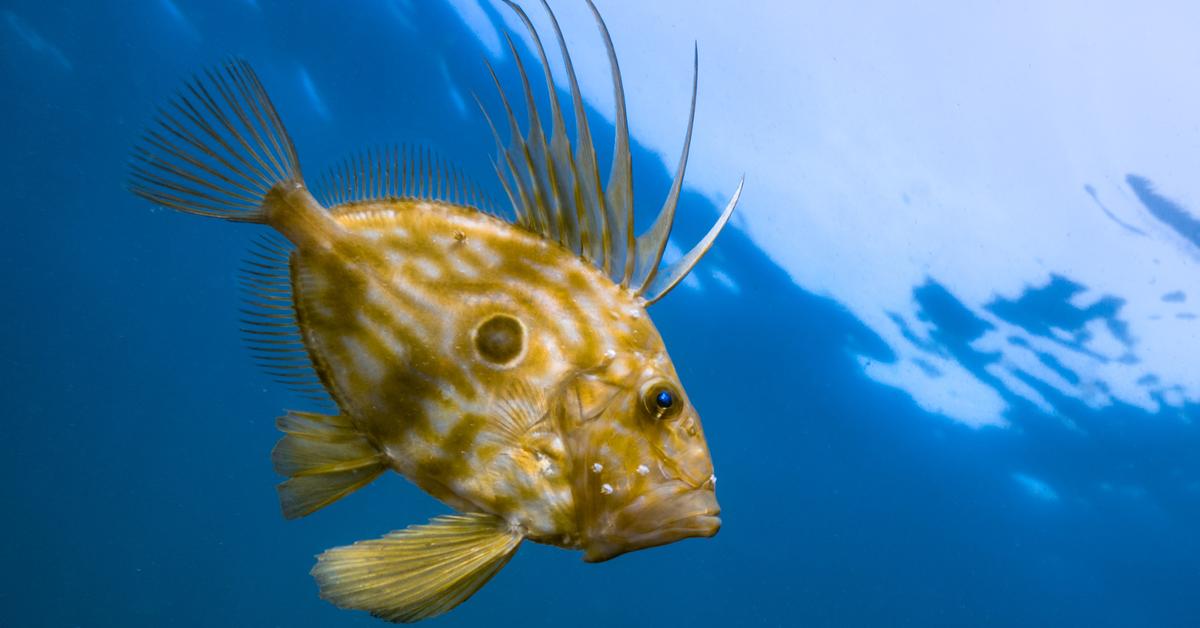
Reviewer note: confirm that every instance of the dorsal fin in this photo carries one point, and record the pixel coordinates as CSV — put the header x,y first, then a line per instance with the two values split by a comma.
x,y
399,172
557,193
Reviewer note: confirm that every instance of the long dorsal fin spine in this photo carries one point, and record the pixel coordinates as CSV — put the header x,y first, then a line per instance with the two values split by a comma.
x,y
672,275
601,229
652,243
618,192
539,153
507,190
536,216
520,212
561,163
586,174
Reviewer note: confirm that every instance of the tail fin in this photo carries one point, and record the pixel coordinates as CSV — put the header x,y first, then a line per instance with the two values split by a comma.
x,y
217,149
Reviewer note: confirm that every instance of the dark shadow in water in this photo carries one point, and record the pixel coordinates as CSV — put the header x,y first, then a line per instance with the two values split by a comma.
x,y
1165,210
1039,310
1091,191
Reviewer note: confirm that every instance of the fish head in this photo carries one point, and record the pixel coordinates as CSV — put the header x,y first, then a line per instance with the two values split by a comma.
x,y
643,475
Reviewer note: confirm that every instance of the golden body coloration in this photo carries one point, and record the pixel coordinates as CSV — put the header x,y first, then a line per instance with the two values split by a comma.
x,y
509,369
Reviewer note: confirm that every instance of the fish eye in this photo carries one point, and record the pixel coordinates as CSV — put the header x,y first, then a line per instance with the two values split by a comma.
x,y
661,399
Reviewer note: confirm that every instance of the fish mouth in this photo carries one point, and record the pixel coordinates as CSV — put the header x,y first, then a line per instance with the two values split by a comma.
x,y
667,514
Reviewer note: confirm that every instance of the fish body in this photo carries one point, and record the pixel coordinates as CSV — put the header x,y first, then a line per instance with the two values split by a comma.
x,y
508,368
469,421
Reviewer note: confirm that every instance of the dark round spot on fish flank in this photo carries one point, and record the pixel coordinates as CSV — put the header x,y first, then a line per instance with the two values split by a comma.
x,y
500,339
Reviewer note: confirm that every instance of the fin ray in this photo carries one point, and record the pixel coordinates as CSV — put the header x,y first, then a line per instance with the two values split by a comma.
x,y
325,458
397,172
587,177
519,409
218,150
269,326
672,275
555,188
651,244
418,572
618,192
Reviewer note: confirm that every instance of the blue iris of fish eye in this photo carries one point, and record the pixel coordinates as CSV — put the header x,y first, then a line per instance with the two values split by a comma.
x,y
664,399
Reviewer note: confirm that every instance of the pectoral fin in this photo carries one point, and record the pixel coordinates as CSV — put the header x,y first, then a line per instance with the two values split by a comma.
x,y
419,572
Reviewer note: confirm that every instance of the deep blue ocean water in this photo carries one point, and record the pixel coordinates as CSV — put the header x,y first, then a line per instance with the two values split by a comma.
x,y
139,489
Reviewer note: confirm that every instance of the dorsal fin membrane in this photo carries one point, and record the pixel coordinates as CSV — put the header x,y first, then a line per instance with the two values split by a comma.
x,y
557,193
399,172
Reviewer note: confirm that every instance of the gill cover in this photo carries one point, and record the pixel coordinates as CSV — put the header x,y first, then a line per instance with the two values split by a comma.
x,y
641,472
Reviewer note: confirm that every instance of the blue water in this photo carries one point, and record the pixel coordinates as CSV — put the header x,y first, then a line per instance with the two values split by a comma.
x,y
139,490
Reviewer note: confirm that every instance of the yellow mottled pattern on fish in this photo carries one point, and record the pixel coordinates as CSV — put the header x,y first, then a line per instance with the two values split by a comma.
x,y
507,367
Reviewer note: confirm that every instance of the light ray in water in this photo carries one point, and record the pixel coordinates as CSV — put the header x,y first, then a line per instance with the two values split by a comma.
x,y
474,16
35,41
460,103
182,20
1036,487
314,97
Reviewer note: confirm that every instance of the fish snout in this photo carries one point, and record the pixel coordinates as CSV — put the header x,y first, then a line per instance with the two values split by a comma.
x,y
659,518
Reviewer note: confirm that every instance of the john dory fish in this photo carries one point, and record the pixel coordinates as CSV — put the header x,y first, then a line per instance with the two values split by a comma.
x,y
508,368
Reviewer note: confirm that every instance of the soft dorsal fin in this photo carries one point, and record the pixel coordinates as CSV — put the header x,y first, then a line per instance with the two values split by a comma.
x,y
558,195
399,172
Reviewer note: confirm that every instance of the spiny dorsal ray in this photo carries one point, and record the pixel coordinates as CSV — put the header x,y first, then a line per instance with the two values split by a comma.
x,y
556,192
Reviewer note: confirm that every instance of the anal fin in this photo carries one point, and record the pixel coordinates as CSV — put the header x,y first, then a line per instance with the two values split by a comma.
x,y
419,572
325,457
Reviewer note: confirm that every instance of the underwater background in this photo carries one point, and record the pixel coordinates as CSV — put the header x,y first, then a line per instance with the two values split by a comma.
x,y
945,353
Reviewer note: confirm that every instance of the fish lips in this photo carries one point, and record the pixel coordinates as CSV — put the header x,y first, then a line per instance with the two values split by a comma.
x,y
655,519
